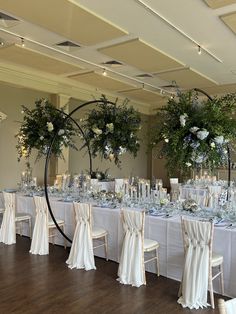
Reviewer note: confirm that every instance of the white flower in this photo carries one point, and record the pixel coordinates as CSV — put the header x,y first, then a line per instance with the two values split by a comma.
x,y
50,126
194,129
60,132
41,138
97,131
182,119
219,139
213,145
65,139
166,140
122,150
188,164
110,127
202,134
225,151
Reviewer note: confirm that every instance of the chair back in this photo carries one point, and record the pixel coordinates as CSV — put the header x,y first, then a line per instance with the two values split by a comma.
x,y
131,268
10,202
227,307
41,206
83,212
197,238
119,185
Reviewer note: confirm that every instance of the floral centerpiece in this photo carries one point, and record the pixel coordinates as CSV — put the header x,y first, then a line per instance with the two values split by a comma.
x,y
111,130
195,133
39,127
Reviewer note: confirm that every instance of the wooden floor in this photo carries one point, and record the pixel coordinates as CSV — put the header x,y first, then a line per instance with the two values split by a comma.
x,y
44,284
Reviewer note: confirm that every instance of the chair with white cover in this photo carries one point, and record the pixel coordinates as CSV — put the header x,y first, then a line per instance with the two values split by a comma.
x,y
199,263
11,218
227,307
81,253
132,263
44,229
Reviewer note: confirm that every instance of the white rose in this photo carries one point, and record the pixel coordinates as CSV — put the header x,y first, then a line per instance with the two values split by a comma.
x,y
188,164
194,129
97,131
41,138
50,126
110,127
182,119
60,132
213,145
166,140
219,139
202,134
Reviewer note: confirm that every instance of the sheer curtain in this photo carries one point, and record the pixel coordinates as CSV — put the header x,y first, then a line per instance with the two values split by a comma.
x,y
8,227
131,268
81,253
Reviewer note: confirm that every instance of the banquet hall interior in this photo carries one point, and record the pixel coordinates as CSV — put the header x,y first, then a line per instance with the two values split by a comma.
x,y
118,163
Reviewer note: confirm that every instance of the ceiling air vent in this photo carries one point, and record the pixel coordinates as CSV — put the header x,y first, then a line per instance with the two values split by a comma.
x,y
144,75
7,20
113,63
67,44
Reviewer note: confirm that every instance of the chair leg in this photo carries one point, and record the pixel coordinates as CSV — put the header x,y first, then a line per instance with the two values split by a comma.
x,y
30,229
222,279
106,247
211,289
63,229
158,264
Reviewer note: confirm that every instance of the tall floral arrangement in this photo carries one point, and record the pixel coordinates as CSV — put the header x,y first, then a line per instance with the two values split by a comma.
x,y
39,127
111,130
194,133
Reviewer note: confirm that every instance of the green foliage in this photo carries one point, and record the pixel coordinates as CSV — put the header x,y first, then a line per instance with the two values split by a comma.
x,y
195,133
111,130
39,127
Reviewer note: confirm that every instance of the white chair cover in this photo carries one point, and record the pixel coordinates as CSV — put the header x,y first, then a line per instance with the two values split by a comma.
x,y
131,268
230,306
8,227
81,253
39,243
197,237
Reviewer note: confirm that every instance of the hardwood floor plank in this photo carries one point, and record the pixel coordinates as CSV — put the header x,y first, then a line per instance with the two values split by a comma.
x,y
31,284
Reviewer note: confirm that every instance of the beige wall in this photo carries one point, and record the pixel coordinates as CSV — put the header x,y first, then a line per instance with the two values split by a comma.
x,y
78,160
10,103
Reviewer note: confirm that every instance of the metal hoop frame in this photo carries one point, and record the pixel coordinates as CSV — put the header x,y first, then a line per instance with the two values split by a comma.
x,y
49,152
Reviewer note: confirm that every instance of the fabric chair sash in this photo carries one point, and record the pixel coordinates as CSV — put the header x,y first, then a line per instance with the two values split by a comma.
x,y
131,268
197,242
81,253
8,227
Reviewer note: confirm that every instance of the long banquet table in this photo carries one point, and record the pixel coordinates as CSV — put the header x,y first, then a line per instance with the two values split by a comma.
x,y
167,231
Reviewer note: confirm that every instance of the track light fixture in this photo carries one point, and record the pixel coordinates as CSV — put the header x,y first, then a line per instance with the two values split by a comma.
x,y
199,50
22,42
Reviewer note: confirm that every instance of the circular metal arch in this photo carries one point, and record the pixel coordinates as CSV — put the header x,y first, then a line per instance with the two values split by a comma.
x,y
49,152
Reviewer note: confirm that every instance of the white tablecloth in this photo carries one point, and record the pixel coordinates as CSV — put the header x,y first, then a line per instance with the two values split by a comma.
x,y
167,231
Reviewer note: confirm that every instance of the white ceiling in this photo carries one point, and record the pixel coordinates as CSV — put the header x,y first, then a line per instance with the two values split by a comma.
x,y
200,24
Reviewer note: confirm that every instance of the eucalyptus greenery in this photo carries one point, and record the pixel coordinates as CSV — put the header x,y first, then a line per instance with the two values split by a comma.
x,y
111,130
194,133
39,127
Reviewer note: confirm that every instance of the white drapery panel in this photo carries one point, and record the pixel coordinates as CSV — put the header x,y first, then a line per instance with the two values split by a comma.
x,y
39,243
230,306
81,253
131,268
197,239
8,227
